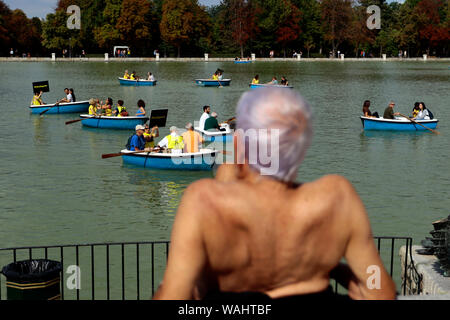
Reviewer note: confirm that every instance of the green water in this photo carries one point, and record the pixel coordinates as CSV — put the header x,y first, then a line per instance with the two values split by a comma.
x,y
56,189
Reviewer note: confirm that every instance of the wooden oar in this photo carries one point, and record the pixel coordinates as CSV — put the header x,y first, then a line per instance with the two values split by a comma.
x,y
110,155
49,108
73,121
229,120
434,131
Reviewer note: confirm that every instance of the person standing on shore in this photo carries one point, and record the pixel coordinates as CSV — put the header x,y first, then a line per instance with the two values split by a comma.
x,y
267,236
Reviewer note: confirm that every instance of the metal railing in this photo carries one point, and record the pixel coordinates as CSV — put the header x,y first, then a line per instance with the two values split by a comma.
x,y
131,270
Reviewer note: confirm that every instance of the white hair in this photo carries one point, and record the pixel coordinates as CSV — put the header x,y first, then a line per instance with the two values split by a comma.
x,y
269,109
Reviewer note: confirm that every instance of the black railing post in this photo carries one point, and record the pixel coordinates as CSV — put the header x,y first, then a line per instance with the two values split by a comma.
x,y
392,256
92,272
137,269
123,271
107,271
153,269
62,272
78,265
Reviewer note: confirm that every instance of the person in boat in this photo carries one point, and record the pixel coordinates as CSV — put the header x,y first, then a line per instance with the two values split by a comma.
x,y
267,236
37,100
73,95
150,77
389,111
173,141
255,79
211,124
126,75
366,110
220,74
120,111
150,135
415,110
141,108
133,76
93,107
273,81
423,112
68,98
205,115
215,76
284,81
191,139
107,107
137,142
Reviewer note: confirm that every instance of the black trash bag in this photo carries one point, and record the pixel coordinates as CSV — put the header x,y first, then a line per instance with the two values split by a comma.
x,y
31,270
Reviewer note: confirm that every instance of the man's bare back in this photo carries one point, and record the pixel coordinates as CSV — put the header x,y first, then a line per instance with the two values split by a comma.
x,y
246,232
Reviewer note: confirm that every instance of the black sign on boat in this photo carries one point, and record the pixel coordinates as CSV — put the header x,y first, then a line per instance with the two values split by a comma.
x,y
158,118
41,86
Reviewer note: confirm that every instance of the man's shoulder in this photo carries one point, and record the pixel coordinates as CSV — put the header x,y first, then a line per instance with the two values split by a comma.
x,y
332,185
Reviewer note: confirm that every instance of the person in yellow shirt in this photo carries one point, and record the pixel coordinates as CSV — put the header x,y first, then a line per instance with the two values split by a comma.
x,y
149,136
126,75
255,79
120,111
93,107
191,139
173,141
215,76
37,100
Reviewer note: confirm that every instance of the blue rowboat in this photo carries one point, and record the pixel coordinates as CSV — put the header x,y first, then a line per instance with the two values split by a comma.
x,y
218,136
242,61
66,107
399,124
112,122
212,83
128,82
203,160
265,85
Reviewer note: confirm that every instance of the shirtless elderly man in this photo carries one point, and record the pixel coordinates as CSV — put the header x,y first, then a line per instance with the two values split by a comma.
x,y
246,231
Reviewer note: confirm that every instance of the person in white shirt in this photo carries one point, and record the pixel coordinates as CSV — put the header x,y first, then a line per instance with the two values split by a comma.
x,y
150,76
423,113
68,97
205,115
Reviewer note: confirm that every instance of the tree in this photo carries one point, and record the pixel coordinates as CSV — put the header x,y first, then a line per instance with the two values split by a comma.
x,y
310,24
337,16
242,21
55,34
432,32
289,29
183,22
360,35
135,23
107,34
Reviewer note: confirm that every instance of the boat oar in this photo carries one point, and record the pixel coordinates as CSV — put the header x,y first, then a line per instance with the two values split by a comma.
x,y
73,121
434,131
49,108
110,155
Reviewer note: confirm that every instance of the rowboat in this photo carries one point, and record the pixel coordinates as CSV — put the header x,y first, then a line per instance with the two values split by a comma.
x,y
65,107
242,61
202,160
112,122
398,124
218,136
212,83
265,85
140,82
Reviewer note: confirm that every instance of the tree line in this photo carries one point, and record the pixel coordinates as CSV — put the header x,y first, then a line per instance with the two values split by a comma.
x,y
317,28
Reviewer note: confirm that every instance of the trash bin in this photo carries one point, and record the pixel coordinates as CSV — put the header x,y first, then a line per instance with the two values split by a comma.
x,y
37,279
